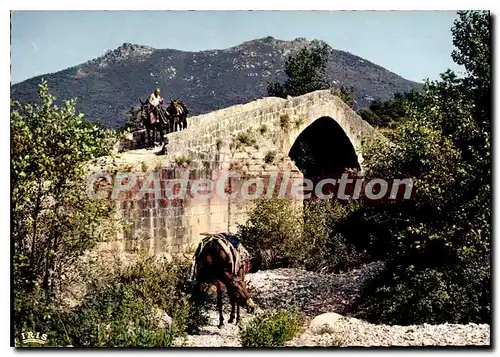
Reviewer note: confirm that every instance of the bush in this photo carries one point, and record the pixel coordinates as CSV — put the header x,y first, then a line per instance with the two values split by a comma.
x,y
270,224
269,157
285,122
322,245
279,234
117,315
245,138
272,328
121,309
182,161
407,295
346,94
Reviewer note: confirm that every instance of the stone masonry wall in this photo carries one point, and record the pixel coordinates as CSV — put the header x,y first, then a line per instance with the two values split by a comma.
x,y
252,140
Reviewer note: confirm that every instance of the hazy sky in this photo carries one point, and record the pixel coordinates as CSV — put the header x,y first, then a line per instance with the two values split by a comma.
x,y
413,44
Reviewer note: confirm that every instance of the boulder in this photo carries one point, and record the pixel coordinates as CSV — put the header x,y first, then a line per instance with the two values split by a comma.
x,y
328,320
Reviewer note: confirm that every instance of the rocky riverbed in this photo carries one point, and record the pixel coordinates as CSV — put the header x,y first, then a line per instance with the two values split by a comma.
x,y
323,298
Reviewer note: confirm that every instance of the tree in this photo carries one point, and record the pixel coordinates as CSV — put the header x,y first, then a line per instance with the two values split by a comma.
x,y
437,245
134,121
305,71
386,113
346,94
53,219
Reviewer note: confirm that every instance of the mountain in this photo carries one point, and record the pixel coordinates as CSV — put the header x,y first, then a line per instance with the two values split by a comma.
x,y
108,86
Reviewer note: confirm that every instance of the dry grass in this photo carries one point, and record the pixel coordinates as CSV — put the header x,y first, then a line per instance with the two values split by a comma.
x,y
182,161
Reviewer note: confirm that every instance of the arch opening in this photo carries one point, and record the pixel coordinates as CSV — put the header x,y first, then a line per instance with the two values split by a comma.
x,y
323,151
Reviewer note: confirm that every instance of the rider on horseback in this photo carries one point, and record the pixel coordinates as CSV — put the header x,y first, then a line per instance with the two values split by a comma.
x,y
155,116
155,99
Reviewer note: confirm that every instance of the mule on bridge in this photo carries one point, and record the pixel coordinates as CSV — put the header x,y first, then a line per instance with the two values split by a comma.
x,y
154,119
177,113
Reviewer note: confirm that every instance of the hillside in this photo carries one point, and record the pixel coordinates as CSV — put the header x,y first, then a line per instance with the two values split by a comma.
x,y
108,86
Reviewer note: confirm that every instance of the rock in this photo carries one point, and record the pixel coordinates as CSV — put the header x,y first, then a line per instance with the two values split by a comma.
x,y
161,318
329,320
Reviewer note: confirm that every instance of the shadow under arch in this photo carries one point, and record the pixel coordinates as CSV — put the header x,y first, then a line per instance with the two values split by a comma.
x,y
323,150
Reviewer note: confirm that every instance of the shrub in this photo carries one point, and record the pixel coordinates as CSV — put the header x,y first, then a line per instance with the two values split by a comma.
x,y
272,328
121,308
407,295
270,224
263,129
322,244
269,157
279,234
299,122
346,94
245,138
116,315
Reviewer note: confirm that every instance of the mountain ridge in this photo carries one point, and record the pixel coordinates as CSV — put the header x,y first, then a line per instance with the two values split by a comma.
x,y
107,86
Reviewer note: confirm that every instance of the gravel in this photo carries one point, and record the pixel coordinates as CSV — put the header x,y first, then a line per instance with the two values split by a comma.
x,y
354,332
321,293
314,293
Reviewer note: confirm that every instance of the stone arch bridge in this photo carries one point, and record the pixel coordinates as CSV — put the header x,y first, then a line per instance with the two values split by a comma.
x,y
262,140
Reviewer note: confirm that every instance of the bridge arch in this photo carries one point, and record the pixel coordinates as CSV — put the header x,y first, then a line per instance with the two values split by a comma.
x,y
323,150
329,114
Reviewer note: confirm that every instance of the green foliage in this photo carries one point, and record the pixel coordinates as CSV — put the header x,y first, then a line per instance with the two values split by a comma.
x,y
305,71
115,315
134,121
384,114
408,294
272,328
438,246
118,310
126,308
182,160
53,219
270,224
278,234
322,245
346,94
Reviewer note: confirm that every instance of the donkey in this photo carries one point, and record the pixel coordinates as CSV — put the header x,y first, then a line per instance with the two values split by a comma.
x,y
153,121
177,112
215,263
